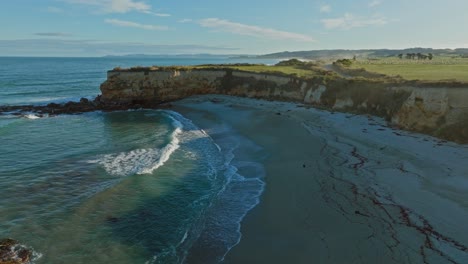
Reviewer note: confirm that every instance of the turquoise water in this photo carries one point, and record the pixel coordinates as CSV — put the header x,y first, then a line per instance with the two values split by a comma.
x,y
141,186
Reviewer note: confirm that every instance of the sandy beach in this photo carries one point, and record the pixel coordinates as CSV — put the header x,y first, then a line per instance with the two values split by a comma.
x,y
341,188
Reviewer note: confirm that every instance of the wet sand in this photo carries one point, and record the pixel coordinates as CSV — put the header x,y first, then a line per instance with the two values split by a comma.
x,y
342,188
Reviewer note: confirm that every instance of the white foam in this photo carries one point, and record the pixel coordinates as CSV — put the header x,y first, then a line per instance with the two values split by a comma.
x,y
35,257
183,238
238,195
167,151
16,249
230,206
32,116
141,161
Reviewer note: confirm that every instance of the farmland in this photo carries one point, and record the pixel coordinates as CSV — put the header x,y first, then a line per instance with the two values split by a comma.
x,y
438,69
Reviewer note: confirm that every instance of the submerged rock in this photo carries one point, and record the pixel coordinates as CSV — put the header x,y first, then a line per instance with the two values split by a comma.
x,y
12,252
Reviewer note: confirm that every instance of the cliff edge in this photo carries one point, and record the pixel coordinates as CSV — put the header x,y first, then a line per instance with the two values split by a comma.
x,y
428,108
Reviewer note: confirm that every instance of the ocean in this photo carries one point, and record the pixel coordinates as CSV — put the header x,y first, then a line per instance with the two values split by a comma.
x,y
144,186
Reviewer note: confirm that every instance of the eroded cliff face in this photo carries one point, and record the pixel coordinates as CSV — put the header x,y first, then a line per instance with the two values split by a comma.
x,y
158,86
441,112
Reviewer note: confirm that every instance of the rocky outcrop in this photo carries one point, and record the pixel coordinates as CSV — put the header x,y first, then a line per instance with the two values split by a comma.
x,y
11,252
147,87
83,106
426,108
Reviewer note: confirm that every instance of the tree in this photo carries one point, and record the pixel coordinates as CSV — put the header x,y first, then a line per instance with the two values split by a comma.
x,y
400,56
430,56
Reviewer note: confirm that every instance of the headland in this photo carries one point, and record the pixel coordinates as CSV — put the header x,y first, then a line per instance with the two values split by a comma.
x,y
435,108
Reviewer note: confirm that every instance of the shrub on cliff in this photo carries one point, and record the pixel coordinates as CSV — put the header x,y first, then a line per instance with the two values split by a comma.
x,y
343,62
291,62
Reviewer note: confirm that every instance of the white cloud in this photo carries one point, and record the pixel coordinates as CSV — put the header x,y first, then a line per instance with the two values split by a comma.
x,y
162,14
249,30
52,34
123,23
349,21
325,9
185,20
53,9
375,3
116,6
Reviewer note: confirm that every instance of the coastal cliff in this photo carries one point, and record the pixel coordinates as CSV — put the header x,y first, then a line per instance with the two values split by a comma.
x,y
423,107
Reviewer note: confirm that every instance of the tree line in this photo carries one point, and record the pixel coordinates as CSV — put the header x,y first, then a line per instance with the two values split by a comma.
x,y
414,56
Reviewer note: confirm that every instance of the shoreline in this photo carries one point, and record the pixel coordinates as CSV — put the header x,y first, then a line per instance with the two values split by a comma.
x,y
370,193
244,168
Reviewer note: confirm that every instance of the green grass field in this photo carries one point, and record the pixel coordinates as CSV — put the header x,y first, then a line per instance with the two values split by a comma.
x,y
444,69
294,70
283,69
289,70
439,69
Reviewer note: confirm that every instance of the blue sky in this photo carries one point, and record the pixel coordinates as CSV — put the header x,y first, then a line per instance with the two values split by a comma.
x,y
102,27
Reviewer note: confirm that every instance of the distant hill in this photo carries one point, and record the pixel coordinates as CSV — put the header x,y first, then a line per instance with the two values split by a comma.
x,y
342,53
313,54
139,56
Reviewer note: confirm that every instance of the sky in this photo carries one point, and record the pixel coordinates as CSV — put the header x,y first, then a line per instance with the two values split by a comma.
x,y
117,27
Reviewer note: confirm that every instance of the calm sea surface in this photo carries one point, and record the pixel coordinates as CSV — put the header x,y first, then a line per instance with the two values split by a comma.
x,y
122,187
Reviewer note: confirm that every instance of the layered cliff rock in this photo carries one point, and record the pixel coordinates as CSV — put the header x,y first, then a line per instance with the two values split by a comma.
x,y
439,111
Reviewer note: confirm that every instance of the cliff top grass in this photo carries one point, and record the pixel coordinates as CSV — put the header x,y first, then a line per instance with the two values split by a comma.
x,y
290,68
439,72
439,69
